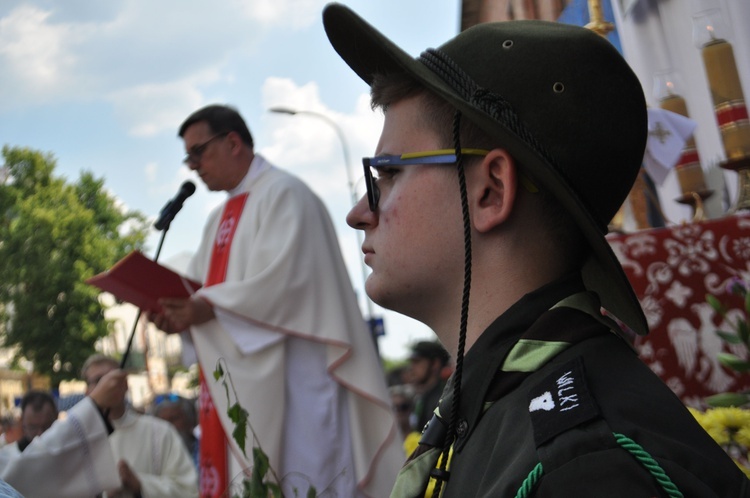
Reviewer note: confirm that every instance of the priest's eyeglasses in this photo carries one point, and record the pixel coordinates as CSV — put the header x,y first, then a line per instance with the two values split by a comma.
x,y
442,156
193,157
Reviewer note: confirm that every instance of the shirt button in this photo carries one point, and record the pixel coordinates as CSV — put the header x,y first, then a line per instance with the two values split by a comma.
x,y
462,428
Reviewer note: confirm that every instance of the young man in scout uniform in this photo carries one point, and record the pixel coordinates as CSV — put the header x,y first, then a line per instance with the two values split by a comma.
x,y
503,156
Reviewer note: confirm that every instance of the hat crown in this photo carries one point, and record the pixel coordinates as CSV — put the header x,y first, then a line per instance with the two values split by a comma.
x,y
566,85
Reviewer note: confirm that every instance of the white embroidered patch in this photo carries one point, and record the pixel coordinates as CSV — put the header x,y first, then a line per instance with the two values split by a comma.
x,y
566,392
543,402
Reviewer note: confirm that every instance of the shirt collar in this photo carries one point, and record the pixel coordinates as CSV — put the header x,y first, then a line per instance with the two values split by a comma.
x,y
257,167
489,351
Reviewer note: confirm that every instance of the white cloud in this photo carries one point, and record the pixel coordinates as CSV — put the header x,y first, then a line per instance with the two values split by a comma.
x,y
312,143
291,13
52,51
34,58
149,109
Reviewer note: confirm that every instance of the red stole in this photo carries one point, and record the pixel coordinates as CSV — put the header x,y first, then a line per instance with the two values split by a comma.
x,y
214,471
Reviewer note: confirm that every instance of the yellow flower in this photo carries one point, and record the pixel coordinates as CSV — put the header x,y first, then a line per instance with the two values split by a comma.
x,y
723,424
743,437
697,414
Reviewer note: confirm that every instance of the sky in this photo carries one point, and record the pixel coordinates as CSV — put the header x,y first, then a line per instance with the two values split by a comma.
x,y
104,86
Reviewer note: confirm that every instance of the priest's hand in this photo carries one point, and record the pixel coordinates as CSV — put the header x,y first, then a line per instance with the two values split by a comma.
x,y
179,314
110,390
129,479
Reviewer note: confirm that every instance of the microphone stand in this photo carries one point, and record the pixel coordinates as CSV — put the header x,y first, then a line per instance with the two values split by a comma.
x,y
138,316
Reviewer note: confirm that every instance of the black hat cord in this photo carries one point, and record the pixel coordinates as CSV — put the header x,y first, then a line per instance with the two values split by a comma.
x,y
441,474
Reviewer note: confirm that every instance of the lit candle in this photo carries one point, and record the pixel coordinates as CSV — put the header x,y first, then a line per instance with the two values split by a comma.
x,y
726,90
688,168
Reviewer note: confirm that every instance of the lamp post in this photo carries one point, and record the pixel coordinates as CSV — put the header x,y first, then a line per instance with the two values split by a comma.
x,y
373,323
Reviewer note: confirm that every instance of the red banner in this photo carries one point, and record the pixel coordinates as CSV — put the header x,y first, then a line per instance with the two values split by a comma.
x,y
671,270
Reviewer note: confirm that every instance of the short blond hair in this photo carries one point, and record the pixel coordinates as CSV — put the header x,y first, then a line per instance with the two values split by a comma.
x,y
96,359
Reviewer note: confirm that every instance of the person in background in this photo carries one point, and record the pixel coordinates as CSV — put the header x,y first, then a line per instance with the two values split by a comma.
x,y
427,362
152,460
73,458
504,154
181,413
11,429
38,413
402,401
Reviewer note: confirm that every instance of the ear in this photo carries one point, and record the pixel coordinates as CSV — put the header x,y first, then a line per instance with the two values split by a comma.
x,y
235,142
494,188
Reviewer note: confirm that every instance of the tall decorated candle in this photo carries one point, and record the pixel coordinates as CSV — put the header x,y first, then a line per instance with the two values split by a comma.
x,y
724,82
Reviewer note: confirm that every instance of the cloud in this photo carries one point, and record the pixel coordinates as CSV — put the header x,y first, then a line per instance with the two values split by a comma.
x,y
291,13
34,55
133,52
149,109
315,143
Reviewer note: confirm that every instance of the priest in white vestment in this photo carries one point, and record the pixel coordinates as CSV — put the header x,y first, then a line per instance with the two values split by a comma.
x,y
278,307
73,458
152,461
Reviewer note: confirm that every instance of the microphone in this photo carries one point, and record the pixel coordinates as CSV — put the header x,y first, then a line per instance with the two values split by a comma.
x,y
173,207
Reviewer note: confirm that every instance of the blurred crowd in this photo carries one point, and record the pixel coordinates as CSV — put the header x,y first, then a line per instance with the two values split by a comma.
x,y
415,387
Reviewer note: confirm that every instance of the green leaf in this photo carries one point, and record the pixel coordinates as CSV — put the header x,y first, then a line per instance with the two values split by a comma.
x,y
312,492
260,463
239,416
218,372
747,302
716,304
727,400
275,490
734,362
743,331
729,337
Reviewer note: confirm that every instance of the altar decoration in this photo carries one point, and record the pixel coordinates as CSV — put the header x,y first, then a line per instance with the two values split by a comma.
x,y
730,428
672,270
709,34
688,169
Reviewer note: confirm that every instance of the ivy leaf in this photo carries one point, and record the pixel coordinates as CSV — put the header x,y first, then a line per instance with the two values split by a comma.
x,y
239,417
734,362
727,400
218,372
312,492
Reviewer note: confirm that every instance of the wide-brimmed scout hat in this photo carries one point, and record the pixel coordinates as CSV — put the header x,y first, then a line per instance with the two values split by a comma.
x,y
559,98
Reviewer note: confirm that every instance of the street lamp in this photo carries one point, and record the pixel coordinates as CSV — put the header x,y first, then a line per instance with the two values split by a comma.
x,y
376,326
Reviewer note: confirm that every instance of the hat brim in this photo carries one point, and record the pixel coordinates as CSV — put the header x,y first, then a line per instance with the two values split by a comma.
x,y
368,52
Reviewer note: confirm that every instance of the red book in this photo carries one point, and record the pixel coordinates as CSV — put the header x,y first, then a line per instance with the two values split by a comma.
x,y
141,282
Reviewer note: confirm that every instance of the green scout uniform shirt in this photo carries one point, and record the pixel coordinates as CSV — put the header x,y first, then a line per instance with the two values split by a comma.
x,y
497,444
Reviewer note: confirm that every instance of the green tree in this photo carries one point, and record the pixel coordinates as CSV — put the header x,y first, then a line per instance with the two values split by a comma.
x,y
53,236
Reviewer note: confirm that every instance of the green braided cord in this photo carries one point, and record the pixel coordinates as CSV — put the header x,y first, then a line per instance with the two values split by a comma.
x,y
634,449
651,465
528,484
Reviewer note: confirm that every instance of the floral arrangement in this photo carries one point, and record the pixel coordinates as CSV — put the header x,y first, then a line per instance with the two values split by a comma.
x,y
730,428
727,420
